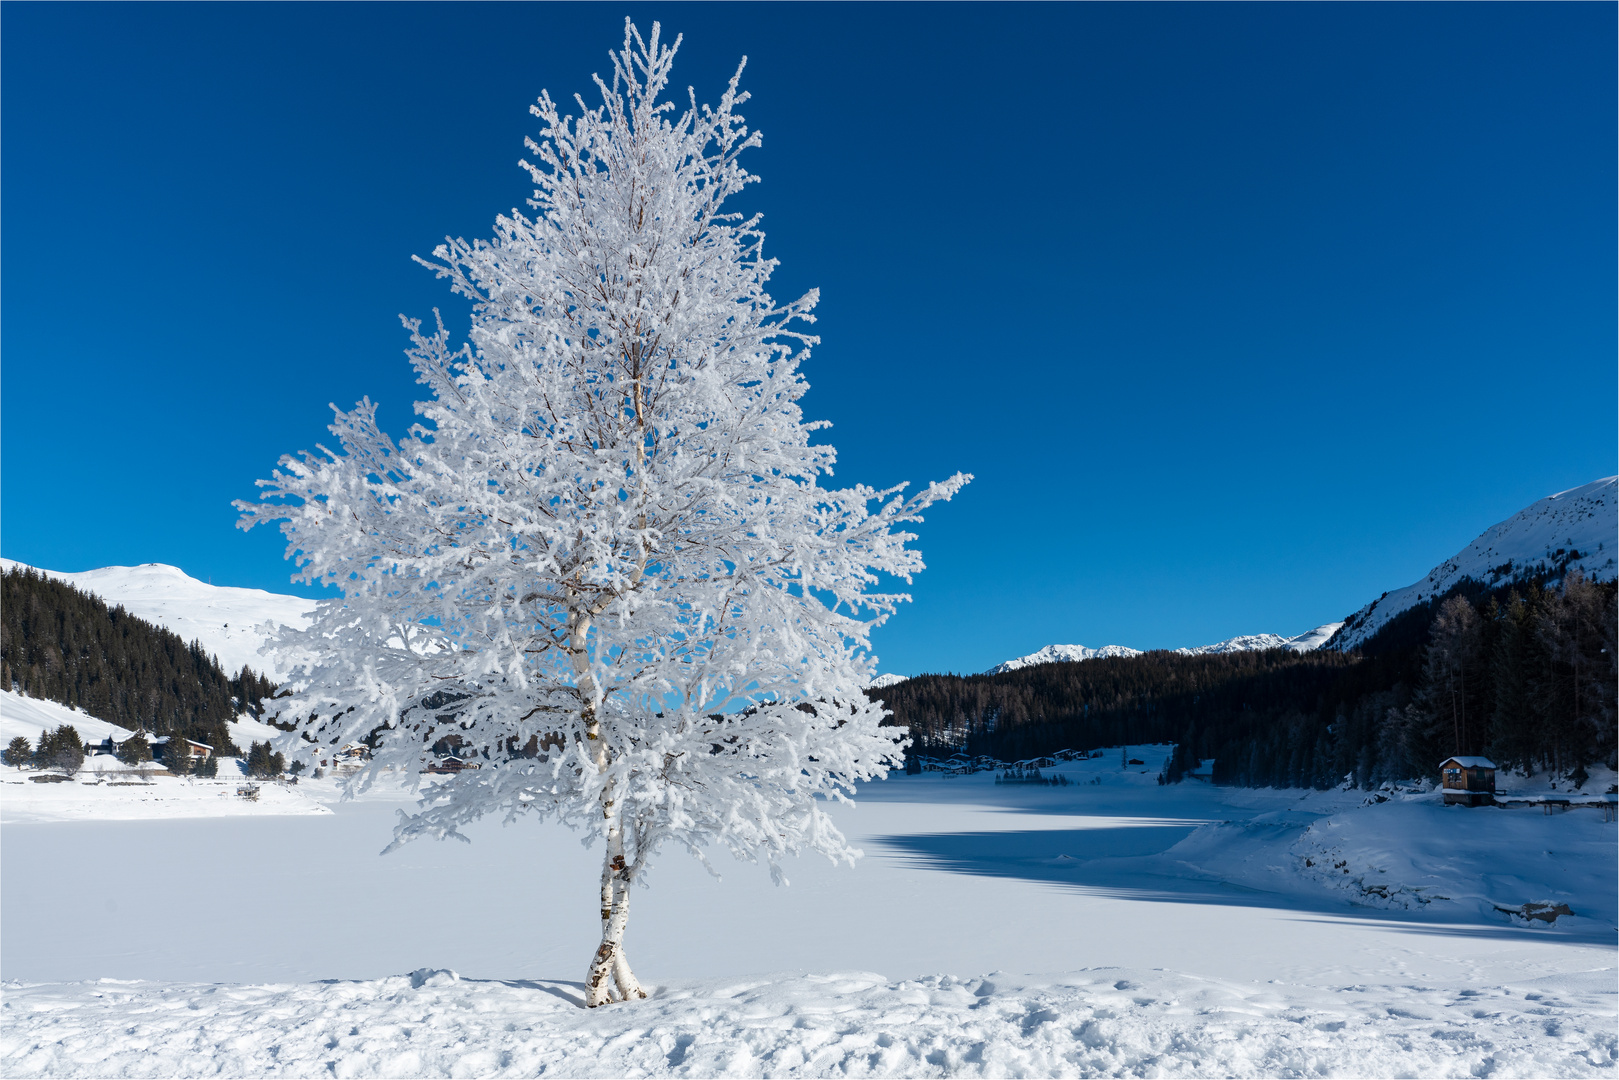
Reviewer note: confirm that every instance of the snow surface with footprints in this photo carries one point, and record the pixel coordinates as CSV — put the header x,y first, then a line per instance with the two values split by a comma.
x,y
1100,1022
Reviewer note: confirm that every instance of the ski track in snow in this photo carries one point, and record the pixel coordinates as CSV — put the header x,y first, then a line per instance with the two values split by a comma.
x,y
1099,1022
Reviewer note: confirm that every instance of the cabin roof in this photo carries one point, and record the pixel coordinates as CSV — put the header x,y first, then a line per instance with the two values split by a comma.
x,y
1469,762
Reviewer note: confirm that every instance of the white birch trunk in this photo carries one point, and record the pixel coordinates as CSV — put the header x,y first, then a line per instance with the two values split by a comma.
x,y
610,965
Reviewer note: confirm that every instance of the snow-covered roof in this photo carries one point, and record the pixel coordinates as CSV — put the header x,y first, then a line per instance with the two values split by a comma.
x,y
1469,762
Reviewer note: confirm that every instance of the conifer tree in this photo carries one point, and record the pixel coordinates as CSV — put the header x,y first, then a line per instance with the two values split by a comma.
x,y
18,752
177,755
134,750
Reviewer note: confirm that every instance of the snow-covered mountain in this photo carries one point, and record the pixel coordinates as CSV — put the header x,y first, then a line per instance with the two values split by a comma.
x,y
1571,529
1051,654
1308,641
231,623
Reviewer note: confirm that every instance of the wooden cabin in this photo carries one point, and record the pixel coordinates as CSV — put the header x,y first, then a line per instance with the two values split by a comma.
x,y
1468,781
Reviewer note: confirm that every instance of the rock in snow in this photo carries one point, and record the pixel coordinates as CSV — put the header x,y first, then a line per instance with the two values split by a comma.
x,y
1561,532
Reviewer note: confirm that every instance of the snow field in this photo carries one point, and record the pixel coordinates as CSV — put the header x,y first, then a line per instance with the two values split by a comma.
x,y
1148,930
1099,1022
123,797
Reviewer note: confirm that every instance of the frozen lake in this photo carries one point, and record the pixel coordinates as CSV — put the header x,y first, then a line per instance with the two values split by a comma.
x,y
961,875
1035,887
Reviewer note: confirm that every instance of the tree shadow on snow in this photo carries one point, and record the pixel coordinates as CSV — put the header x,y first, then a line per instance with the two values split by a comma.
x,y
1128,863
571,992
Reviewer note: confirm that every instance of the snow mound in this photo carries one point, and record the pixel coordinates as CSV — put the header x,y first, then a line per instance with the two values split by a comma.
x,y
886,680
231,623
1561,532
1098,1022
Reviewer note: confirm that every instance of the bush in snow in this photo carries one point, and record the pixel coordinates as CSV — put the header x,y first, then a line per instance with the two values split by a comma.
x,y
608,565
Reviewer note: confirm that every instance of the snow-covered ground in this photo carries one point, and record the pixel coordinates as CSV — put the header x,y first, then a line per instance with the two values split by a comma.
x,y
1110,927
1101,1022
231,623
1573,527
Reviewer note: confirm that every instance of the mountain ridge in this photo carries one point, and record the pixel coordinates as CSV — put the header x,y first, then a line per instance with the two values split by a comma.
x,y
228,621
1573,529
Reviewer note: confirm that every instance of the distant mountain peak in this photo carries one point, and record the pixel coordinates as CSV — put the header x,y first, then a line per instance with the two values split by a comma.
x,y
230,622
1308,641
1053,654
1573,529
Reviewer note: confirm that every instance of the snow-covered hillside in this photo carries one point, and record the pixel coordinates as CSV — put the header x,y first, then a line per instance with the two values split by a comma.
x,y
1051,654
231,623
1572,529
27,717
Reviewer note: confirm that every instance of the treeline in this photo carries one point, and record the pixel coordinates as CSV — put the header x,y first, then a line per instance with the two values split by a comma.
x,y
63,645
1524,676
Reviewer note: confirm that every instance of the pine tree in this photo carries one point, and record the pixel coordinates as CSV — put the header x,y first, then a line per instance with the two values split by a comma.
x,y
134,750
647,575
177,755
260,761
18,752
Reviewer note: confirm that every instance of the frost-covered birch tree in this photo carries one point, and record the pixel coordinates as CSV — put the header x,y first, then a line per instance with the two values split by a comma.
x,y
607,560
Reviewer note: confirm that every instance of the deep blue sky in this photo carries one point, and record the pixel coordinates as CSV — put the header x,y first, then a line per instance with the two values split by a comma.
x,y
1240,314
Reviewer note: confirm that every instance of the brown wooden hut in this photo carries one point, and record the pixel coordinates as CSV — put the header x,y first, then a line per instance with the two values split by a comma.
x,y
1468,781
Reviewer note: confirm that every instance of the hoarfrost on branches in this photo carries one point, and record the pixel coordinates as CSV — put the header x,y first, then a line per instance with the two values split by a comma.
x,y
606,571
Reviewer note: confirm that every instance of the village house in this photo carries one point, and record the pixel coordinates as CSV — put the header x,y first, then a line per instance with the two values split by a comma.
x,y
199,751
1468,781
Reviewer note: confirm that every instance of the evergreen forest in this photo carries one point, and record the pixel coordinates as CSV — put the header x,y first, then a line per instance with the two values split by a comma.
x,y
1524,675
60,644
